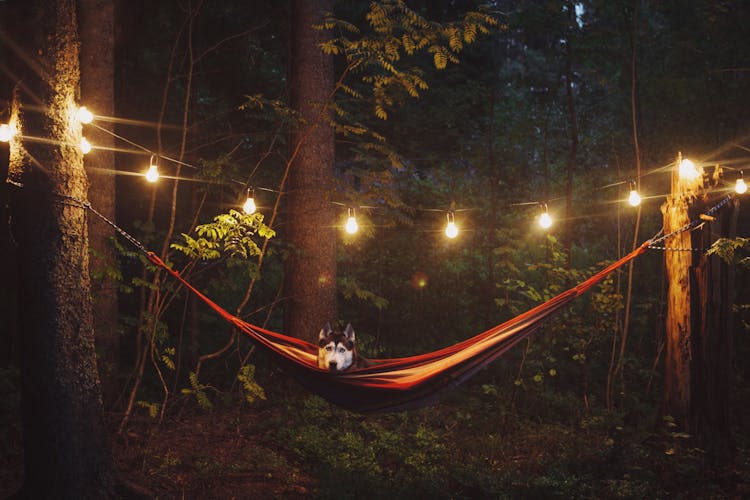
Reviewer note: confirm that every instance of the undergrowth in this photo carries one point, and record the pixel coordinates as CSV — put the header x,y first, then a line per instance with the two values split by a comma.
x,y
474,450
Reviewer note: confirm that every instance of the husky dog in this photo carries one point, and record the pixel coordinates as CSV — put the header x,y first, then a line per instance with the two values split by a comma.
x,y
337,351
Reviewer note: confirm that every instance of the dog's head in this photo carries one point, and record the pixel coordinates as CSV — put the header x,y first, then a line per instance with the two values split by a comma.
x,y
335,349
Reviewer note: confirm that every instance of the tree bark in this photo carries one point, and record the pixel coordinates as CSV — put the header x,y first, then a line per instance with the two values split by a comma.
x,y
310,273
712,339
96,21
677,376
573,146
66,451
699,318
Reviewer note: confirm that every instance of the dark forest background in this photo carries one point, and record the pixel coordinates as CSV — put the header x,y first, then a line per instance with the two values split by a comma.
x,y
562,103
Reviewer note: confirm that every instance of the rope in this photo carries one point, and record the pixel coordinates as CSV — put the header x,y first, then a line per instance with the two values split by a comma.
x,y
678,249
133,241
689,226
77,202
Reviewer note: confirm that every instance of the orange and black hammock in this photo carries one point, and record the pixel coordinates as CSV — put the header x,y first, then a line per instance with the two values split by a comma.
x,y
401,383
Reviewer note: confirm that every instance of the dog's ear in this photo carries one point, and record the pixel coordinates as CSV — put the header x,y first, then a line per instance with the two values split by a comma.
x,y
325,331
349,332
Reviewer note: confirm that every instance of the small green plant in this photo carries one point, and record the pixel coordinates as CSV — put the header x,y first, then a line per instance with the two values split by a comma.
x,y
251,390
199,391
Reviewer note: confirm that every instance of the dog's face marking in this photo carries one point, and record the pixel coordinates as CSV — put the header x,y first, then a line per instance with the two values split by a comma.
x,y
335,349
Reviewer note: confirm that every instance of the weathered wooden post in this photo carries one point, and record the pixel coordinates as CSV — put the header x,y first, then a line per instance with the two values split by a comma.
x,y
698,320
676,398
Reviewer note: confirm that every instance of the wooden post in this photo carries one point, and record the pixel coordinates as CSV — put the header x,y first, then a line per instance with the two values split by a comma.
x,y
676,398
699,317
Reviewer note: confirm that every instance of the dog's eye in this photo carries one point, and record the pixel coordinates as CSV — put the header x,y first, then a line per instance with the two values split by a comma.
x,y
329,348
342,350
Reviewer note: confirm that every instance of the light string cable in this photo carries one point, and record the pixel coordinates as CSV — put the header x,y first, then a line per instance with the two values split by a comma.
x,y
651,243
632,180
247,185
174,160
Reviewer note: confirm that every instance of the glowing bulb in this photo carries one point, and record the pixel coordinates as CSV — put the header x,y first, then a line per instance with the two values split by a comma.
x,y
85,146
249,206
84,115
351,223
6,132
451,231
688,170
545,220
152,175
740,187
634,199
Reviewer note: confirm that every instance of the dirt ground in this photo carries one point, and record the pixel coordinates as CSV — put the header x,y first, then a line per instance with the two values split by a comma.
x,y
225,454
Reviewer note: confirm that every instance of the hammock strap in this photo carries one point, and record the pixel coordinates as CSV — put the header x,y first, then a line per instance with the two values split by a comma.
x,y
690,225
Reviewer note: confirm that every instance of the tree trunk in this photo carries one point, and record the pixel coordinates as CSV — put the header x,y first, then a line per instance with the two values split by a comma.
x,y
65,444
96,21
677,379
713,279
310,272
573,146
699,319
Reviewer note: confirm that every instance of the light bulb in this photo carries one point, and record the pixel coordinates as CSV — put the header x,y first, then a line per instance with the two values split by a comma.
x,y
451,231
6,132
84,115
249,206
545,220
351,223
740,187
688,170
152,174
634,199
85,146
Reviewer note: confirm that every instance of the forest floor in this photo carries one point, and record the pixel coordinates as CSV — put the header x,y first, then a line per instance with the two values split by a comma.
x,y
302,447
227,454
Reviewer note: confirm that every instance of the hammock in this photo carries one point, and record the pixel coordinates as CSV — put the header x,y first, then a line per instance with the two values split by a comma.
x,y
401,383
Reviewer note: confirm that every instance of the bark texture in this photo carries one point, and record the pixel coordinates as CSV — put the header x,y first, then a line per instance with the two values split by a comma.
x,y
66,451
96,28
311,266
677,379
712,339
699,321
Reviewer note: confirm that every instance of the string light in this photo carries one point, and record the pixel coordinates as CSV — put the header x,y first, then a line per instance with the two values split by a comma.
x,y
451,231
6,132
152,175
634,198
85,146
545,220
84,115
740,187
688,170
249,206
351,223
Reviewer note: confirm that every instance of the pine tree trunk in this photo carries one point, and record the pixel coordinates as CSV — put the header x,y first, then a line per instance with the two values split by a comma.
x,y
66,451
96,18
310,272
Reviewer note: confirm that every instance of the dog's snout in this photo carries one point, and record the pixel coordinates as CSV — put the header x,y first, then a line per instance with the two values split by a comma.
x,y
332,366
